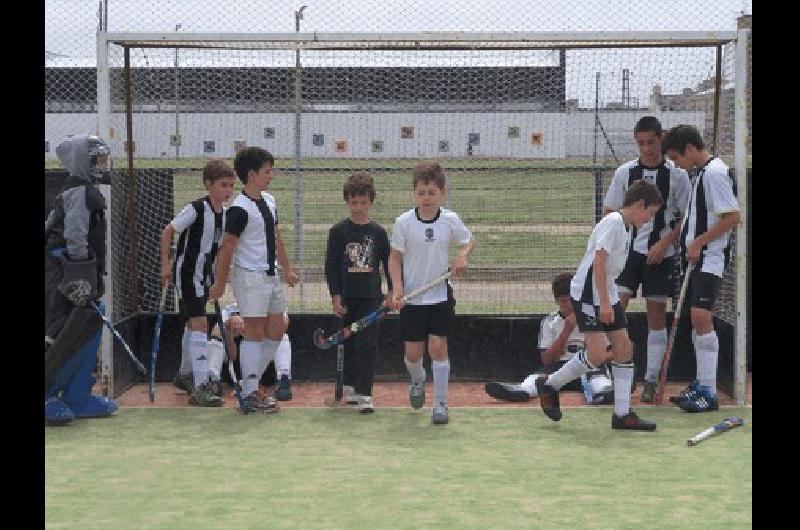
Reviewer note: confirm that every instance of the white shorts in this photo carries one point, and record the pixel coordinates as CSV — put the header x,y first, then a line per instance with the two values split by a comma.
x,y
257,294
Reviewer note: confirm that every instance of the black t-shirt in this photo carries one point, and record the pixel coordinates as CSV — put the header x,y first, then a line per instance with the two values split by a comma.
x,y
352,259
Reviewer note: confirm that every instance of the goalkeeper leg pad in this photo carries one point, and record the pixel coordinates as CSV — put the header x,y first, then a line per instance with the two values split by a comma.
x,y
77,393
81,327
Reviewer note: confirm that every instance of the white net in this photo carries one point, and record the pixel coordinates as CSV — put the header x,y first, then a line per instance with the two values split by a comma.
x,y
522,133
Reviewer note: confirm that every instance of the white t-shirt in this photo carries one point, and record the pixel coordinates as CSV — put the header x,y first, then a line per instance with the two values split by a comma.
x,y
674,185
424,245
549,330
611,235
717,198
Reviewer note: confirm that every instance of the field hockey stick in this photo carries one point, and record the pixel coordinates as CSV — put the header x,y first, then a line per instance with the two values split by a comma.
x,y
237,387
117,336
151,380
323,342
339,389
662,376
725,425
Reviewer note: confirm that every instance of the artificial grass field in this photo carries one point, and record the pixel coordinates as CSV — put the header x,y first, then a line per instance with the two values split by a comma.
x,y
334,468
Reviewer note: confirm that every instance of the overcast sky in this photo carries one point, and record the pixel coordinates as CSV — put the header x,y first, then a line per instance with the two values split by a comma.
x,y
70,27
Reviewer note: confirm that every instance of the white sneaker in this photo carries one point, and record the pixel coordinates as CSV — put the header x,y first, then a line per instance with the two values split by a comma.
x,y
365,405
350,396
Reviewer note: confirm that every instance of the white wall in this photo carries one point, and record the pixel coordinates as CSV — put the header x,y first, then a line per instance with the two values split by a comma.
x,y
564,134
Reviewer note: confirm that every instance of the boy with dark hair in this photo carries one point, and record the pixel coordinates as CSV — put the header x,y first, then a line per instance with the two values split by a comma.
x,y
559,341
597,309
253,244
651,260
75,263
200,226
713,212
420,241
356,248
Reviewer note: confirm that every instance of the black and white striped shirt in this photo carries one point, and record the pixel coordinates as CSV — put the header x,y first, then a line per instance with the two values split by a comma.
x,y
713,194
201,229
254,222
674,185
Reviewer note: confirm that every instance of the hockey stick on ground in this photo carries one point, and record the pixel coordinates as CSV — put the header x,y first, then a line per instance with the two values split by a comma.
x,y
662,376
237,387
323,342
725,425
117,336
151,380
339,385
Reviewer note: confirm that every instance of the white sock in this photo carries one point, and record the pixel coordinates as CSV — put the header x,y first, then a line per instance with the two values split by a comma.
x,y
575,367
186,357
599,384
268,349
283,358
529,385
656,348
197,348
250,353
215,352
416,370
707,350
623,378
441,375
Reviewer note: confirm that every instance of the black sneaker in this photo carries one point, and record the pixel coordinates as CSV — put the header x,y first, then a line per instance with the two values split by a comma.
x,y
548,399
256,404
507,392
631,422
685,394
184,382
283,390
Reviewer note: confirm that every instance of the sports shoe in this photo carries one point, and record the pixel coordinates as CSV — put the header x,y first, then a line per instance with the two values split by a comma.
x,y
631,422
686,393
283,390
350,396
416,395
548,398
507,392
203,396
184,382
439,414
216,387
365,405
256,404
700,401
649,392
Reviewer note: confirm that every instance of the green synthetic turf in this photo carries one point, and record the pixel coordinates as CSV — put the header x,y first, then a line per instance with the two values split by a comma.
x,y
324,468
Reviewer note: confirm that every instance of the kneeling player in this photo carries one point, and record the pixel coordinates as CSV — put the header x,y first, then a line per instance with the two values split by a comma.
x,y
559,341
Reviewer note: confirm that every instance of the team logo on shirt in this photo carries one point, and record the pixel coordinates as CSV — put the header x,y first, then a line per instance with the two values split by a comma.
x,y
429,235
359,255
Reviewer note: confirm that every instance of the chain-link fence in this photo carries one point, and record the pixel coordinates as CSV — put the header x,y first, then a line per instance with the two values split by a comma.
x,y
523,130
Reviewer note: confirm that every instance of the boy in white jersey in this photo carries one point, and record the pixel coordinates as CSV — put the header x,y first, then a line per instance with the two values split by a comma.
x,y
711,215
234,326
559,341
651,260
252,242
419,253
598,311
200,225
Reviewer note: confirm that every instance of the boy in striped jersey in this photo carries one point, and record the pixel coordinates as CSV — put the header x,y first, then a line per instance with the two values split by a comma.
x,y
651,259
711,215
253,244
598,312
200,225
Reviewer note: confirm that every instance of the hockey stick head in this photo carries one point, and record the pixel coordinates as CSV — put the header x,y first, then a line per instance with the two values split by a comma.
x,y
730,423
320,341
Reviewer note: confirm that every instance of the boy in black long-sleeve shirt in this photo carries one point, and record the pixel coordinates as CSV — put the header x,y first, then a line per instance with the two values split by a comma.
x,y
356,247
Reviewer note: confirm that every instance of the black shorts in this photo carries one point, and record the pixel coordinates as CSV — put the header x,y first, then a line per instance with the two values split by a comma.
x,y
419,321
192,306
656,280
591,322
703,290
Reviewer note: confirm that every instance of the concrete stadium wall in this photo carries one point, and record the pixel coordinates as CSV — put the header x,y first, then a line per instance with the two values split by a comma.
x,y
563,134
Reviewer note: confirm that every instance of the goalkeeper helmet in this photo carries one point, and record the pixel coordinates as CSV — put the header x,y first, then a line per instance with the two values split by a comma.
x,y
98,148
